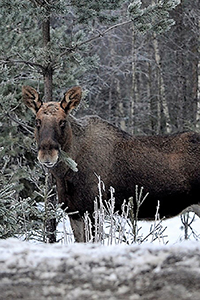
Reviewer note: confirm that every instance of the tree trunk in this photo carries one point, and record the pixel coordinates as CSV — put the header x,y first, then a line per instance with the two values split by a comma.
x,y
48,96
163,120
132,124
120,111
112,80
50,223
48,69
198,87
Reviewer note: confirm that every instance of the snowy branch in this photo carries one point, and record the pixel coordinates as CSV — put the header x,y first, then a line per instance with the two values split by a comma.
x,y
28,128
15,61
97,36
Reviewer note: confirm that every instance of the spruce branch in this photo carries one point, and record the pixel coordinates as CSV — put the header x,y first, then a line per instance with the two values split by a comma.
x,y
25,126
97,36
68,160
7,60
41,2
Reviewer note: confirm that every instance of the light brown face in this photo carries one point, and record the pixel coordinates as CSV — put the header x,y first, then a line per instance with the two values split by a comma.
x,y
53,131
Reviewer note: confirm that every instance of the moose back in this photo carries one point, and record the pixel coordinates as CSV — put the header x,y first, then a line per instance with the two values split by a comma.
x,y
168,167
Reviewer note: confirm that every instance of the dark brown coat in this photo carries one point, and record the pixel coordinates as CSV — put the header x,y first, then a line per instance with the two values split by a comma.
x,y
168,167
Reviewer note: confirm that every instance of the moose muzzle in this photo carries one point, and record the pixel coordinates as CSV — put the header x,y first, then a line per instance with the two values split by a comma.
x,y
48,153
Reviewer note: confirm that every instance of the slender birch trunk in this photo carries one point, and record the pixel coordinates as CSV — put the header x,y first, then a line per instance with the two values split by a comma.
x,y
198,90
132,124
121,120
162,107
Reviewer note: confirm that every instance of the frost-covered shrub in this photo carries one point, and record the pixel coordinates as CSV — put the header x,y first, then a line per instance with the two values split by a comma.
x,y
112,227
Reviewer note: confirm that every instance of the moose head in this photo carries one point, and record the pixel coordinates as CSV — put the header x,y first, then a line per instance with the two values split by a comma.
x,y
53,130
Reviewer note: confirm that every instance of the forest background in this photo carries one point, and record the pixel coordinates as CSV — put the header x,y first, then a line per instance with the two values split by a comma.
x,y
138,68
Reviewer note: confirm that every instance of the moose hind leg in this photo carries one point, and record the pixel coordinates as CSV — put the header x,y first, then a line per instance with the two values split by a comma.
x,y
77,225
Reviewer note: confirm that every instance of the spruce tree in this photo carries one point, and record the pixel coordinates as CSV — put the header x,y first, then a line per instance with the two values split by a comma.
x,y
46,44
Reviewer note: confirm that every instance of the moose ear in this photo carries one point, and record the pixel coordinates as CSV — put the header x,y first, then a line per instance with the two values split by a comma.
x,y
71,99
31,98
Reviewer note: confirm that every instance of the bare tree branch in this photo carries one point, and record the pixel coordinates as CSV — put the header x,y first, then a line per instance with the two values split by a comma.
x,y
39,2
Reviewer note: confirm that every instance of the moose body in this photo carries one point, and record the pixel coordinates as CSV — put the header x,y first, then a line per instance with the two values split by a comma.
x,y
167,167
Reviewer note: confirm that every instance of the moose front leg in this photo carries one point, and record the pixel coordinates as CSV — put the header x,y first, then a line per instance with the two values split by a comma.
x,y
77,225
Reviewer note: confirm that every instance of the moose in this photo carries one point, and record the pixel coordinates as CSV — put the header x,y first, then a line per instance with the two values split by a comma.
x,y
168,167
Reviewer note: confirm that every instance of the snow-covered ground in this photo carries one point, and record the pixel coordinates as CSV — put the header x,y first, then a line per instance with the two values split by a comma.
x,y
174,229
173,233
95,272
74,271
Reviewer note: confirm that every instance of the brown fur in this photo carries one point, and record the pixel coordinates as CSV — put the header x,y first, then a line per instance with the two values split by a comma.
x,y
168,167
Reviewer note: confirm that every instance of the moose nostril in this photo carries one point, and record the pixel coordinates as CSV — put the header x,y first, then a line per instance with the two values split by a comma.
x,y
48,158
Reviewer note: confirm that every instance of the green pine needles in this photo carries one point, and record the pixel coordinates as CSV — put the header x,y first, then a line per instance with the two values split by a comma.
x,y
68,160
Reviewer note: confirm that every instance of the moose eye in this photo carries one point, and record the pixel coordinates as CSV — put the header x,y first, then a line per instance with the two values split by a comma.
x,y
62,124
38,123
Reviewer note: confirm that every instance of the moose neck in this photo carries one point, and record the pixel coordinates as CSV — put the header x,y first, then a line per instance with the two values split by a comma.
x,y
77,134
